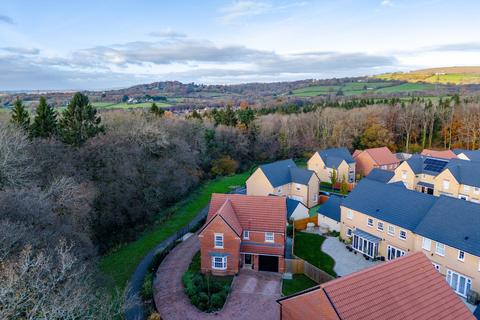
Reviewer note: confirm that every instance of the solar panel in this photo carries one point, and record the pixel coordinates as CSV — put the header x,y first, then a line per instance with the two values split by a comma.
x,y
434,165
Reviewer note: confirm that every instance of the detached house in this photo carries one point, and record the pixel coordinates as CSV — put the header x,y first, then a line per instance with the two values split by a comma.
x,y
442,154
387,221
459,179
408,289
381,158
324,162
472,155
243,231
284,178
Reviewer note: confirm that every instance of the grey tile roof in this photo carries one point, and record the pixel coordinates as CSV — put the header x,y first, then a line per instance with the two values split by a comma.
x,y
333,157
454,222
282,172
331,207
380,175
389,202
291,206
465,172
473,155
418,165
476,313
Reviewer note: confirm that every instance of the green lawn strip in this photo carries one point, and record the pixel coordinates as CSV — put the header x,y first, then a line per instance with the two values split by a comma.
x,y
307,247
299,283
121,263
206,292
313,211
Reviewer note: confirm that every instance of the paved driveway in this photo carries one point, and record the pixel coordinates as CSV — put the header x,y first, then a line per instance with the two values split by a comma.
x,y
252,296
346,262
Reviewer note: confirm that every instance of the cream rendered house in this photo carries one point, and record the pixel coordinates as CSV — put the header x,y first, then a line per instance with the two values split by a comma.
x,y
460,179
324,162
284,178
471,155
386,221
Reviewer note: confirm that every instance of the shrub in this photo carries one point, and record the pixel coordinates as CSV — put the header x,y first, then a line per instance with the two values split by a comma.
x,y
224,166
147,287
290,230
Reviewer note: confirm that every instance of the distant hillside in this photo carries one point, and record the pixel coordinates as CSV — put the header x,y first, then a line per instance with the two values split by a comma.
x,y
445,75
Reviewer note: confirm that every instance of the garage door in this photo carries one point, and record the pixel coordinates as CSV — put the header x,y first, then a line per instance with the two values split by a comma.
x,y
268,263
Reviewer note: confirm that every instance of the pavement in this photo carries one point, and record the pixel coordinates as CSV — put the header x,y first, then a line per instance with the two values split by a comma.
x,y
253,294
346,262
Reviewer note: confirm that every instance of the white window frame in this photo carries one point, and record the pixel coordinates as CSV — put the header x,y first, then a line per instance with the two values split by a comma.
x,y
463,197
246,234
298,187
215,240
380,223
269,237
426,244
404,174
222,262
315,197
279,189
438,251
467,283
391,230
368,222
445,184
437,266
350,214
350,233
461,255
400,234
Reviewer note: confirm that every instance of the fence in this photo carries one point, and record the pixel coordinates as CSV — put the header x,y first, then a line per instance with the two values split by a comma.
x,y
300,266
301,224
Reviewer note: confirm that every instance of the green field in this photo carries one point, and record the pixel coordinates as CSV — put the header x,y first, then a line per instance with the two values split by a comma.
x,y
361,88
123,105
433,77
121,263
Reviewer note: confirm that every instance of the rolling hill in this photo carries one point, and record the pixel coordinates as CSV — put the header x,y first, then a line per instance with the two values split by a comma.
x,y
445,75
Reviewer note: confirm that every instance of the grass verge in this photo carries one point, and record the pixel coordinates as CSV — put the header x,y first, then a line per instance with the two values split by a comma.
x,y
299,283
121,263
308,247
206,292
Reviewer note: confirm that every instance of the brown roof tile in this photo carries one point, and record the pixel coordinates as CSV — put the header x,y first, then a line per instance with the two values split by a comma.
x,y
262,248
403,289
442,154
255,213
382,156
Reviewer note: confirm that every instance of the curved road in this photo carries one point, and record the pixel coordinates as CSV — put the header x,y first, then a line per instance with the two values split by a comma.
x,y
253,294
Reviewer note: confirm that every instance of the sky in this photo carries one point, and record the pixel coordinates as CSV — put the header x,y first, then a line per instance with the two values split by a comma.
x,y
103,44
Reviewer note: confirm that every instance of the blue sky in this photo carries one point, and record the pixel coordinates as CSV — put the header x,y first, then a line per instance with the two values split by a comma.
x,y
106,44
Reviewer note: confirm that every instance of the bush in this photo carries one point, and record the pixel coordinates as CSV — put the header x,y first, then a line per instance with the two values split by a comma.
x,y
224,166
208,293
290,230
147,287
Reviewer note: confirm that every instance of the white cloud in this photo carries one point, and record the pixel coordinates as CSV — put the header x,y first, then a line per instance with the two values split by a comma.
x,y
244,8
167,33
387,3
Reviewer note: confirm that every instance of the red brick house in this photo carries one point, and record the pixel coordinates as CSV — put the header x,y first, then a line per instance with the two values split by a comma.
x,y
407,288
381,158
243,232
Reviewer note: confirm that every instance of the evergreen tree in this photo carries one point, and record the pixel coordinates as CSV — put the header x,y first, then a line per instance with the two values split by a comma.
x,y
246,116
45,122
79,121
344,186
20,115
156,110
333,178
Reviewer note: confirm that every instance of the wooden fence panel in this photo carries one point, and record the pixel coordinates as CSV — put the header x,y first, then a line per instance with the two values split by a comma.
x,y
294,266
301,224
317,275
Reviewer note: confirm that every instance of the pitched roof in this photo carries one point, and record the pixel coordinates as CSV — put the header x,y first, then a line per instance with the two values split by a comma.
x,y
283,172
421,164
453,222
382,156
333,157
443,154
292,204
465,172
262,248
259,213
476,313
389,202
471,154
380,175
331,207
406,288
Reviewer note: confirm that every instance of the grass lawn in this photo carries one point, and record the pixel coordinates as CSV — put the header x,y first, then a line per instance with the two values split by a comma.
x,y
298,283
313,211
307,246
121,263
123,105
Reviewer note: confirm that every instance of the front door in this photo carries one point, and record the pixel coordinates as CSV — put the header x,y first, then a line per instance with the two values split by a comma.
x,y
247,262
459,283
394,253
